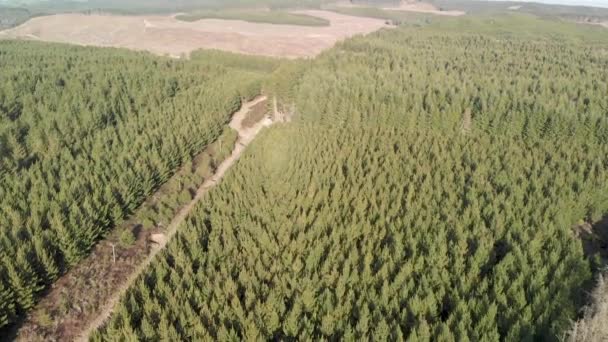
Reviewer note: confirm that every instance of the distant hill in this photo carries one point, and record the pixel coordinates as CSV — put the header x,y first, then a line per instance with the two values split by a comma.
x,y
10,17
577,13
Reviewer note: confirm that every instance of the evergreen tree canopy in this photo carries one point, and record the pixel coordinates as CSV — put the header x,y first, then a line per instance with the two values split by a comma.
x,y
426,190
86,134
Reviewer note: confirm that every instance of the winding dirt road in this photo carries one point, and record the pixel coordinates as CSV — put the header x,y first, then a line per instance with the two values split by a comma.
x,y
245,137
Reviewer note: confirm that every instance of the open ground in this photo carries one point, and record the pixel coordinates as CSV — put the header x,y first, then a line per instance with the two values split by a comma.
x,y
165,35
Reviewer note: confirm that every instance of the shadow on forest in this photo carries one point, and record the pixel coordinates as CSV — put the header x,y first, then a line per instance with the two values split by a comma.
x,y
9,332
595,239
137,229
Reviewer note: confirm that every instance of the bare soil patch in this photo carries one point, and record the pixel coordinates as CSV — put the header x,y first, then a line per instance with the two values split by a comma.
x,y
592,21
595,238
165,35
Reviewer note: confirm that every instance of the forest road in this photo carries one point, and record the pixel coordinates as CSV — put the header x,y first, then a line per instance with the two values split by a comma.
x,y
245,137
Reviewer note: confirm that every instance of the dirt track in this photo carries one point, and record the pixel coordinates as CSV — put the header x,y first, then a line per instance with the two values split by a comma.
x,y
165,35
246,135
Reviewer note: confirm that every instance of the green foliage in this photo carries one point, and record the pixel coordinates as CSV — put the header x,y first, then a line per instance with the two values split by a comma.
x,y
283,83
86,135
126,238
44,318
516,26
256,16
224,145
231,60
7,310
395,17
376,214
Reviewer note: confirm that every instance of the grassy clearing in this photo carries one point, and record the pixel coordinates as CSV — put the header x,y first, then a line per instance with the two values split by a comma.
x,y
257,16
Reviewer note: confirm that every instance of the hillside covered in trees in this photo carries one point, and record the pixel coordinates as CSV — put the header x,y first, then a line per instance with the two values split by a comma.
x,y
427,189
86,135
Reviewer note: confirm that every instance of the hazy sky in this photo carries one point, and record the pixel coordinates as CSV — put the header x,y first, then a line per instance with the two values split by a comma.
x,y
596,3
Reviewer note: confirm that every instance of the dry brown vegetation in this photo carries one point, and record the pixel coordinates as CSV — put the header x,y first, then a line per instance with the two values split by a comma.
x,y
256,114
165,35
593,326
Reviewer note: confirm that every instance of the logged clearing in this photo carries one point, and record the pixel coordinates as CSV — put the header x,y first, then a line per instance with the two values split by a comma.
x,y
165,35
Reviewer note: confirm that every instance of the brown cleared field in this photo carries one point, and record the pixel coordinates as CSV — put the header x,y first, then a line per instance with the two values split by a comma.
x,y
165,35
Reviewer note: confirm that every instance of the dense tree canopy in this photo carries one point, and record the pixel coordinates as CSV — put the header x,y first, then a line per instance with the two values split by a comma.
x,y
85,135
427,189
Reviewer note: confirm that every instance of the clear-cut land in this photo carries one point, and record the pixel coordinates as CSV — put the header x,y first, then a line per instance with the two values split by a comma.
x,y
165,35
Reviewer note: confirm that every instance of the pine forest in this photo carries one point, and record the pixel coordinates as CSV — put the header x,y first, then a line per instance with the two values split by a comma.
x,y
427,188
86,134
